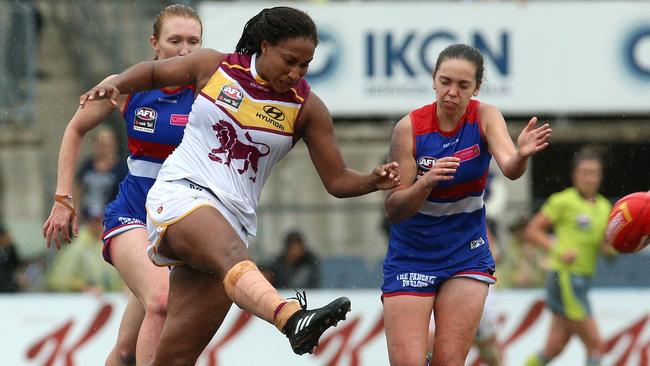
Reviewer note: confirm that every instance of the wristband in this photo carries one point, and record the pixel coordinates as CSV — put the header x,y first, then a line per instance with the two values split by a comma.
x,y
63,199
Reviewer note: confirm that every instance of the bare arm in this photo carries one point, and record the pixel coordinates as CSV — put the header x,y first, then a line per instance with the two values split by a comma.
x,y
61,222
339,180
195,68
512,161
406,199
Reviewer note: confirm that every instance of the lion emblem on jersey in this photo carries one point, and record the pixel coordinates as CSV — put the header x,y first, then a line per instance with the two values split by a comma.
x,y
236,149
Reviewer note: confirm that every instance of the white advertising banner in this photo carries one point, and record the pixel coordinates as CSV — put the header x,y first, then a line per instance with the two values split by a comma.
x,y
53,330
376,58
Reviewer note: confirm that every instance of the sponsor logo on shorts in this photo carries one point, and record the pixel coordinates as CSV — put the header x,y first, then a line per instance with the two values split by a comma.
x,y
129,221
179,119
194,186
476,243
414,279
230,97
145,119
159,209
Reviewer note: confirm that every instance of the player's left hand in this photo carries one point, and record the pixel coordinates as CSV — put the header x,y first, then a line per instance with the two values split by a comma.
x,y
386,176
533,139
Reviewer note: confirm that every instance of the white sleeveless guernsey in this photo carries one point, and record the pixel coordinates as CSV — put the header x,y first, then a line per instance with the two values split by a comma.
x,y
239,128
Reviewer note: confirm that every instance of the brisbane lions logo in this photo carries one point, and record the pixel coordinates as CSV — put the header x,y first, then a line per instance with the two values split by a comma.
x,y
236,149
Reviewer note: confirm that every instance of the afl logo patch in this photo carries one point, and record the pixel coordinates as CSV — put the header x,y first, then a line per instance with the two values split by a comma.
x,y
145,119
274,112
426,163
230,97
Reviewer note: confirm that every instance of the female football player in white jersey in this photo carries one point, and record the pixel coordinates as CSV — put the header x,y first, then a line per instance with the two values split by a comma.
x,y
253,106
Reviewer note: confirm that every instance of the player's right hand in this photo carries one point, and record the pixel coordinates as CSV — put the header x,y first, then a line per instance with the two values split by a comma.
x,y
60,226
104,90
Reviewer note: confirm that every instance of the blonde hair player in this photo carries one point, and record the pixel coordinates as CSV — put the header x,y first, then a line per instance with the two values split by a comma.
x,y
155,121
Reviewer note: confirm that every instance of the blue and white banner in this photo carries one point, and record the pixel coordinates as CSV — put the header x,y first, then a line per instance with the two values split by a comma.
x,y
376,58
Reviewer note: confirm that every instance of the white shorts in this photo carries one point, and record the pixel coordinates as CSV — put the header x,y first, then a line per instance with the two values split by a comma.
x,y
169,202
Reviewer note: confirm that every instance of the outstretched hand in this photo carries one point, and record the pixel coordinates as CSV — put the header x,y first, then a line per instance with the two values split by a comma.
x,y
104,90
60,226
386,176
533,139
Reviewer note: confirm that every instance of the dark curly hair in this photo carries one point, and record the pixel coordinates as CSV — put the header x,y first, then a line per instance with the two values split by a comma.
x,y
275,25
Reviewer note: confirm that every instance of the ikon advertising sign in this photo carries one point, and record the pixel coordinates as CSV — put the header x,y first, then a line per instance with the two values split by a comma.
x,y
53,329
376,58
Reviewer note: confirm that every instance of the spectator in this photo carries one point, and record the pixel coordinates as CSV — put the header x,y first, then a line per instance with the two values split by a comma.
x,y
79,267
296,266
524,265
99,176
9,262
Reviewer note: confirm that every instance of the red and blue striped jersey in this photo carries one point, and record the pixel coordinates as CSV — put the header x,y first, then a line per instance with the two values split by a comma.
x,y
155,121
449,228
155,124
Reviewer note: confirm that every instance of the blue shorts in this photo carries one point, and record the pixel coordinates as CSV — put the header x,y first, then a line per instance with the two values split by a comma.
x,y
126,211
426,283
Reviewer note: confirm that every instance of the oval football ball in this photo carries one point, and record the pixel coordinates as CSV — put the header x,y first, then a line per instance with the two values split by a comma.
x,y
628,226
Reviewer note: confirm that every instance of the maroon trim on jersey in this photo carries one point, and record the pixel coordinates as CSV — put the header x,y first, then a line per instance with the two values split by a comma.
x,y
302,107
256,90
459,190
302,88
139,148
239,59
201,93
